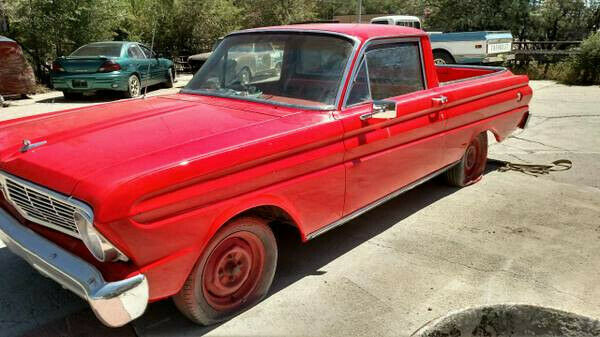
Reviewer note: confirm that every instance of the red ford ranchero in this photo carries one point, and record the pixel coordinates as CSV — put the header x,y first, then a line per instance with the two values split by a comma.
x,y
139,200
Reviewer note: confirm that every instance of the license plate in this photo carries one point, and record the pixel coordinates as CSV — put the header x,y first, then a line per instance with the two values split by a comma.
x,y
79,83
495,48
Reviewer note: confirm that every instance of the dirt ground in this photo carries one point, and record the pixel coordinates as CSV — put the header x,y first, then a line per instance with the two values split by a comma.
x,y
511,238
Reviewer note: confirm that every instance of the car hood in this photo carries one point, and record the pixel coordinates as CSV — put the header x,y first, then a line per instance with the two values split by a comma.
x,y
84,141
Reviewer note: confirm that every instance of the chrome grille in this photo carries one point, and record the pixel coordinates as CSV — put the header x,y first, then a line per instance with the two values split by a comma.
x,y
41,205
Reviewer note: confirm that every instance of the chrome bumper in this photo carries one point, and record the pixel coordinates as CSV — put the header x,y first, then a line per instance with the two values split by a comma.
x,y
114,303
498,58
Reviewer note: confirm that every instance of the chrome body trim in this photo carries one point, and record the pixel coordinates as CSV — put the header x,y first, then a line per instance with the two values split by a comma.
x,y
378,202
114,303
57,209
27,145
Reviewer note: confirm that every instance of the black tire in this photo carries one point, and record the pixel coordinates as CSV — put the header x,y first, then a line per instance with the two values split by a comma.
x,y
170,78
442,57
134,87
471,166
72,95
198,301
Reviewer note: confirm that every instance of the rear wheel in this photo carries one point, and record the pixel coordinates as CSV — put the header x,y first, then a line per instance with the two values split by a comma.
x,y
134,87
245,76
234,273
470,168
170,78
442,57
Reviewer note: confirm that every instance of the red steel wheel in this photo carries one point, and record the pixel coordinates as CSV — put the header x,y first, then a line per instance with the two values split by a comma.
x,y
470,168
234,272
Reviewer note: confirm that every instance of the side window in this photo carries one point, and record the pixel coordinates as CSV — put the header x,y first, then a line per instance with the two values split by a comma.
x,y
360,87
394,70
149,54
134,52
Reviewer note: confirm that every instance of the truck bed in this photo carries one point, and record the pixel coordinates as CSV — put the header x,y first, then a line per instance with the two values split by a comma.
x,y
456,73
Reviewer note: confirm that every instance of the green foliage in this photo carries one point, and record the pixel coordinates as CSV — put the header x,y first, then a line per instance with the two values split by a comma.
x,y
53,27
50,28
584,68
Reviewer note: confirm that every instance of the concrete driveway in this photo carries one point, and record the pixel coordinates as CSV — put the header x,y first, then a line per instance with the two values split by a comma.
x,y
511,238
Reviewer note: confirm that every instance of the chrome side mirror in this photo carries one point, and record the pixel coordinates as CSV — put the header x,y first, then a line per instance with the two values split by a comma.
x,y
382,110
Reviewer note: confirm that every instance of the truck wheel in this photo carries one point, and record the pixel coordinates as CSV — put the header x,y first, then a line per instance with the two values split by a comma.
x,y
134,87
442,57
470,168
234,272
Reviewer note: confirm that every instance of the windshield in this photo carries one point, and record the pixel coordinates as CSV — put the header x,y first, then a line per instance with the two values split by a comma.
x,y
99,49
295,69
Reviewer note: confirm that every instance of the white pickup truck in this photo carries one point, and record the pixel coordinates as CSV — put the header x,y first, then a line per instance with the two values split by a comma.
x,y
463,47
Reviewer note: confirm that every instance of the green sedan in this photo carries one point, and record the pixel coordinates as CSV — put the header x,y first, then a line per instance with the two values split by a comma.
x,y
115,65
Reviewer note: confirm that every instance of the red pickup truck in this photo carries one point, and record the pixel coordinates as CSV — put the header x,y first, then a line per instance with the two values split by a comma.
x,y
135,201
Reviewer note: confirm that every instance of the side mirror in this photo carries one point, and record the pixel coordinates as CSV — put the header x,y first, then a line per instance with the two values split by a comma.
x,y
382,110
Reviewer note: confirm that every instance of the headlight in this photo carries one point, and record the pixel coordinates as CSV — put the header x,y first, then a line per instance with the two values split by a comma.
x,y
99,247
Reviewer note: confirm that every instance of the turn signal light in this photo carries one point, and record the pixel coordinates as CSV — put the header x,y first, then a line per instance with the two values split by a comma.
x,y
100,247
109,66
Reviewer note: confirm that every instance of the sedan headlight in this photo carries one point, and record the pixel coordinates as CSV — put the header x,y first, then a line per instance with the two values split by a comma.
x,y
101,248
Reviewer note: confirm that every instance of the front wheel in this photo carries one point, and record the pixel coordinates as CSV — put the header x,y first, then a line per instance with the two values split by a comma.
x,y
471,166
234,273
170,78
72,95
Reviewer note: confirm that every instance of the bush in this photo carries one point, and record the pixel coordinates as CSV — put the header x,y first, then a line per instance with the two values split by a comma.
x,y
584,68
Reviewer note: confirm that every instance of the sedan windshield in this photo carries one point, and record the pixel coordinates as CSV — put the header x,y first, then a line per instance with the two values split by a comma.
x,y
293,69
99,49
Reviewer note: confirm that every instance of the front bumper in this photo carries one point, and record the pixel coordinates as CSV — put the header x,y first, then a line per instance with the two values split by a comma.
x,y
500,58
114,303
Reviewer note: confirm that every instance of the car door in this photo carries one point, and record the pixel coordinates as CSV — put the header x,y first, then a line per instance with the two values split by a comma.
x,y
136,58
155,70
383,155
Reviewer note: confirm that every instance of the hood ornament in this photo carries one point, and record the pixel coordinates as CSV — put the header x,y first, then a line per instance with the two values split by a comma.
x,y
27,145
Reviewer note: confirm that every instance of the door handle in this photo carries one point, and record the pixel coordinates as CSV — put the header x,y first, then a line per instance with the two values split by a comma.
x,y
441,100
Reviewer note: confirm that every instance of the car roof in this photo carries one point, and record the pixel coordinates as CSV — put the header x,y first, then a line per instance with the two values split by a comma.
x,y
110,42
397,17
362,32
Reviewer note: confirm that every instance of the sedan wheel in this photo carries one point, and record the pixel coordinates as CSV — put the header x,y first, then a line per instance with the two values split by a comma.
x,y
245,76
170,78
134,87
